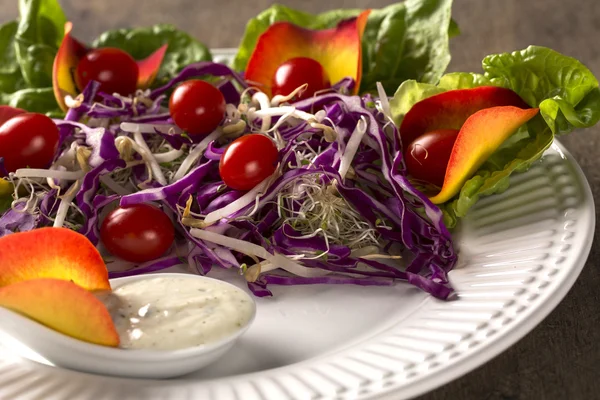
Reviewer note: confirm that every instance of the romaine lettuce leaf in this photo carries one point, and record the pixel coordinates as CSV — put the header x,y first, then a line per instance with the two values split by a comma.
x,y
566,92
183,49
407,40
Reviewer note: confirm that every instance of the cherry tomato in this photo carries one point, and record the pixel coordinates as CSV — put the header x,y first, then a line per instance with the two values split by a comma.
x,y
115,69
427,157
28,140
197,107
7,112
296,72
137,233
247,161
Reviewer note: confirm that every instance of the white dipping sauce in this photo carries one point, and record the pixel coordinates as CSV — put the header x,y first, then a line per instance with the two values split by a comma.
x,y
170,313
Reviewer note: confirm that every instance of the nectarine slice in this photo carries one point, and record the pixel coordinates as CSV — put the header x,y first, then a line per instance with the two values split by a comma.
x,y
450,110
64,307
338,50
71,51
481,135
57,253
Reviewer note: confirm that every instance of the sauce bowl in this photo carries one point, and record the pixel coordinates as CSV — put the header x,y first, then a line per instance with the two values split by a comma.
x,y
39,343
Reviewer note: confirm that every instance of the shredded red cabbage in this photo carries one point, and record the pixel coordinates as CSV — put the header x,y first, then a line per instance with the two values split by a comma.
x,y
363,224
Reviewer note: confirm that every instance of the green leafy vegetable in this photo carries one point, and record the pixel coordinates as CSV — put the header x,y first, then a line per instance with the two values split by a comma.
x,y
39,100
463,80
27,50
408,40
40,30
141,42
566,92
10,71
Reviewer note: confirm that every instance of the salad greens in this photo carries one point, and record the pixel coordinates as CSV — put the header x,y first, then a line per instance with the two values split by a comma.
x,y
27,50
566,92
183,49
407,40
28,47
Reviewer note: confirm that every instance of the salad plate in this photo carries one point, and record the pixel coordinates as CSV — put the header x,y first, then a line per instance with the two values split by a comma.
x,y
520,253
397,228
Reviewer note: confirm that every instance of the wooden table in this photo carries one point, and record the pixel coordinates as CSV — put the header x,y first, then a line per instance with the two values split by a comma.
x,y
560,359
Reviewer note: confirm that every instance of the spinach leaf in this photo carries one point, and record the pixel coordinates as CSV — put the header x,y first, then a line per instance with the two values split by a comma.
x,y
141,42
40,30
39,100
10,71
408,40
27,50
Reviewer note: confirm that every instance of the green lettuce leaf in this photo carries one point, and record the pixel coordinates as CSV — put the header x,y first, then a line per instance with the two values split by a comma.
x,y
27,50
463,80
141,42
407,40
566,92
40,100
38,36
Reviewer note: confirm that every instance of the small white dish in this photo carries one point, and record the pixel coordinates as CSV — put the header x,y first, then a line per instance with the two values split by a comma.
x,y
39,342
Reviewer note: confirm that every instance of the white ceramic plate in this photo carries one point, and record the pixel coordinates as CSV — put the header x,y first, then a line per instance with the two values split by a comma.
x,y
520,253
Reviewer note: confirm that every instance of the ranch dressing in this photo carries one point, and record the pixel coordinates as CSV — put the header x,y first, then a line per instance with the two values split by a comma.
x,y
169,313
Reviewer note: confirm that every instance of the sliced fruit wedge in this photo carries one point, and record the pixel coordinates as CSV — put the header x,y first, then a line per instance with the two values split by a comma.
x,y
338,50
64,307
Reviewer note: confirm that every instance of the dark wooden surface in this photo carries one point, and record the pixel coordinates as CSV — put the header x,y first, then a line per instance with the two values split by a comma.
x,y
560,359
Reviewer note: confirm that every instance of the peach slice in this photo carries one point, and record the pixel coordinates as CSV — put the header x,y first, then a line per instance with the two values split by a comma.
x,y
337,49
57,253
71,51
481,134
65,63
450,110
64,307
149,66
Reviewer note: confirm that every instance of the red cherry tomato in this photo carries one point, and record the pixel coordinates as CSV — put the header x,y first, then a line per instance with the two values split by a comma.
x,y
115,69
137,233
197,107
28,140
296,72
247,161
7,112
427,157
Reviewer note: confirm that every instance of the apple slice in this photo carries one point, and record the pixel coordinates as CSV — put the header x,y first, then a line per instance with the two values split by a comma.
x,y
64,307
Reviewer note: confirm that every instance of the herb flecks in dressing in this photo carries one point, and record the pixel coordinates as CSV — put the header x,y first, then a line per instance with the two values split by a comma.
x,y
170,313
